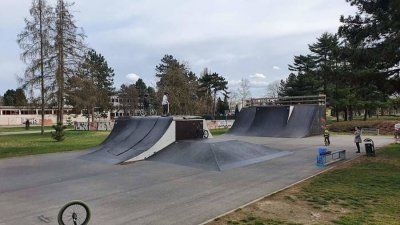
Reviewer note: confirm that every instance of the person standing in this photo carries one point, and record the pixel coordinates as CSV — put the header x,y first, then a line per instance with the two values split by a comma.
x,y
146,104
27,124
357,138
397,132
165,104
326,137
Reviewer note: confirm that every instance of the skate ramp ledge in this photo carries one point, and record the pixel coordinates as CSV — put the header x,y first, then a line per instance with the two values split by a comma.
x,y
129,147
167,139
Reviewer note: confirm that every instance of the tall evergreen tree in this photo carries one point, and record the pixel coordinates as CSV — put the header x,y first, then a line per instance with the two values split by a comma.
x,y
92,85
141,89
220,106
35,41
176,79
20,97
214,83
9,98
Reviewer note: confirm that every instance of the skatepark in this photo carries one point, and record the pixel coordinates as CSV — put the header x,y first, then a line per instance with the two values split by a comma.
x,y
153,170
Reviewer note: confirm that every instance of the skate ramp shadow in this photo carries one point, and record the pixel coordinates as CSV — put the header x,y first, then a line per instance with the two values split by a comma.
x,y
216,155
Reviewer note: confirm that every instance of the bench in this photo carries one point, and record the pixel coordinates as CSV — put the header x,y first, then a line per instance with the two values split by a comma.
x,y
370,131
330,157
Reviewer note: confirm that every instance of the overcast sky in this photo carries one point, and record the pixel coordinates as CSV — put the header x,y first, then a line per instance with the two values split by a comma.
x,y
253,39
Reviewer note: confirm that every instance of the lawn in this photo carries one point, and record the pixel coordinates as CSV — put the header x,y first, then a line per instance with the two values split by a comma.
x,y
31,128
31,144
219,131
366,191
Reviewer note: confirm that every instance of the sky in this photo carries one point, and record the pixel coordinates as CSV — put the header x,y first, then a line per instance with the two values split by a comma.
x,y
251,39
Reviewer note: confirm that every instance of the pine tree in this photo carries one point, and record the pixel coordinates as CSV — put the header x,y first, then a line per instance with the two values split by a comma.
x,y
35,41
92,85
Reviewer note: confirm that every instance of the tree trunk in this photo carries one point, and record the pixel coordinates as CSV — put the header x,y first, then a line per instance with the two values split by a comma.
x,y
365,114
41,66
351,113
88,119
337,113
346,111
92,109
215,95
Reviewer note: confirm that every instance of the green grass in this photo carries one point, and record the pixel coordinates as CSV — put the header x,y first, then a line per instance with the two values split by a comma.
x,y
218,131
32,144
366,192
370,190
31,128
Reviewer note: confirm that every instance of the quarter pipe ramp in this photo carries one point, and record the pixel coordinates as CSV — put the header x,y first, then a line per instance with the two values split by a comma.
x,y
134,139
279,121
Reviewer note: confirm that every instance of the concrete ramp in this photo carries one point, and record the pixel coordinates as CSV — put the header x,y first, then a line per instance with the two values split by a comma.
x,y
300,122
243,121
134,138
216,155
269,121
279,121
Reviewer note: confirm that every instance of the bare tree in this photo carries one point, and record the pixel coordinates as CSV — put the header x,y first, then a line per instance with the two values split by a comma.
x,y
233,99
35,41
69,50
273,89
244,90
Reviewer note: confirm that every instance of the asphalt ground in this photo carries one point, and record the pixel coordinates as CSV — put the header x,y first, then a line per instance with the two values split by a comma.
x,y
151,192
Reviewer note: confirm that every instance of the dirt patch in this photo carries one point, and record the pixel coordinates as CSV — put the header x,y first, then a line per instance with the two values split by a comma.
x,y
287,207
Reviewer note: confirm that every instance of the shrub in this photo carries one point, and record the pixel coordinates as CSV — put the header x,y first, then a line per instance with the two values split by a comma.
x,y
59,132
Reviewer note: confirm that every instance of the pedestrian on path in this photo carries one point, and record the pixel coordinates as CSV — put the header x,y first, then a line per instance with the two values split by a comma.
x,y
27,124
357,138
397,132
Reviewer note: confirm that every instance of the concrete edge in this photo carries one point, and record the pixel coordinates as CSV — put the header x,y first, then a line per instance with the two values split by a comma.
x,y
277,191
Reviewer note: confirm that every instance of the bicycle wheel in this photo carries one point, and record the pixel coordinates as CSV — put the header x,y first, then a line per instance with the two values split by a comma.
x,y
74,213
205,133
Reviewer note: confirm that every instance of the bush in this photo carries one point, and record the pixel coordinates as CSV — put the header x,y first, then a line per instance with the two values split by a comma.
x,y
348,126
59,133
385,127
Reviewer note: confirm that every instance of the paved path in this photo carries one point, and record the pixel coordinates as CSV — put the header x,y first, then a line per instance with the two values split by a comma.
x,y
151,192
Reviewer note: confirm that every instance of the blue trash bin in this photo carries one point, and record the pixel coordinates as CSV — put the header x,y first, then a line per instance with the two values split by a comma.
x,y
322,151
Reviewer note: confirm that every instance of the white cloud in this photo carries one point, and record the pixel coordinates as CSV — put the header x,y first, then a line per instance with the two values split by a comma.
x,y
276,68
258,76
133,77
231,37
258,84
234,82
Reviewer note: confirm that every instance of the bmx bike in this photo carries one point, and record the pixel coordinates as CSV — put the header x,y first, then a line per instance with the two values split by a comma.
x,y
201,133
74,213
149,112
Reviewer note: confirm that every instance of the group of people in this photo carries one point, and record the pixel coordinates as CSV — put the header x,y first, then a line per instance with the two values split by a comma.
x,y
164,103
357,138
